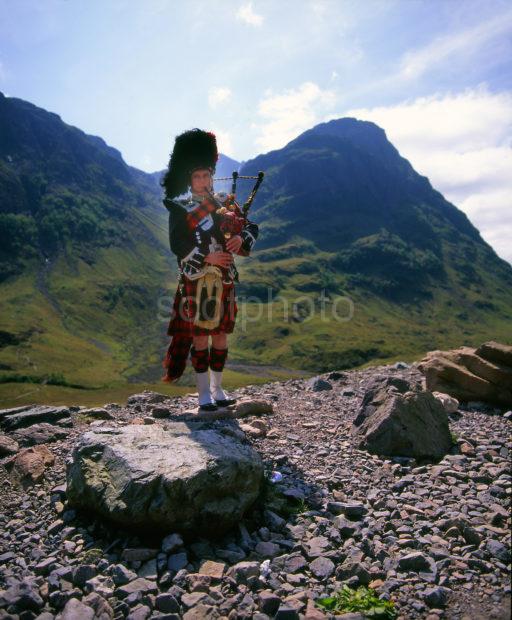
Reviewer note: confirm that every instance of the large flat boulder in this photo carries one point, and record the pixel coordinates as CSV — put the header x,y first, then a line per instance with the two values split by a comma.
x,y
412,423
184,477
466,373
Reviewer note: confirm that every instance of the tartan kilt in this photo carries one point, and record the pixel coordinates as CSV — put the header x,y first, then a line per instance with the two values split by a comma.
x,y
184,310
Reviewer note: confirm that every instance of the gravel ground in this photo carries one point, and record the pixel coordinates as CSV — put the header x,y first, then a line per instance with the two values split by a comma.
x,y
433,537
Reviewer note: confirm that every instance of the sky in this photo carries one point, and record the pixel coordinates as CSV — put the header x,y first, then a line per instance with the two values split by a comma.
x,y
436,75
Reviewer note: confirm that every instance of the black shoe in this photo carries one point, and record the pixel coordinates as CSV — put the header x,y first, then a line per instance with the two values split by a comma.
x,y
208,407
226,402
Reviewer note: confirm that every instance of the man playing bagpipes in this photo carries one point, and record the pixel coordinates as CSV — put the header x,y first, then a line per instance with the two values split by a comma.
x,y
205,230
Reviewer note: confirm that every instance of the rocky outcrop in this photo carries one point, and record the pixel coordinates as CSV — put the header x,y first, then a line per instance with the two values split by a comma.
x,y
21,417
470,374
39,434
183,477
395,420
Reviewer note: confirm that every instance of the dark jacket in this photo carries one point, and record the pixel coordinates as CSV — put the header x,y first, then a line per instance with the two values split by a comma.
x,y
192,246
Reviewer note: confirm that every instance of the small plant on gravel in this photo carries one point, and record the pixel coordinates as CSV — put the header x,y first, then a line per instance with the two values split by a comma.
x,y
454,437
363,599
299,507
92,555
83,418
271,497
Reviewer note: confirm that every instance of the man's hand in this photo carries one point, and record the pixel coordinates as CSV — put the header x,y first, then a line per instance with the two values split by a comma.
x,y
221,259
234,243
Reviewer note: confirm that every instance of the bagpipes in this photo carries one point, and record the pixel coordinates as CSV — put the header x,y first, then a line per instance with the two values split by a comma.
x,y
232,216
232,219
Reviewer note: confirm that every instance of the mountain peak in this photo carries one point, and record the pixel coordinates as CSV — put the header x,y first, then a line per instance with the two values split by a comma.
x,y
365,135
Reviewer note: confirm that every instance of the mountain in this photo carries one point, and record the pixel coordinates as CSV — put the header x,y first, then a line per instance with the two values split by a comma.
x,y
86,274
83,254
342,214
347,225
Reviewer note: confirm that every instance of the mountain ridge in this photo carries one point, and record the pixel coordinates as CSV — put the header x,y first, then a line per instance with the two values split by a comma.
x,y
85,256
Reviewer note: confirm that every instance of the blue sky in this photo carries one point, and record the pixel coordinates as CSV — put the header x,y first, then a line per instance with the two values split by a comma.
x,y
435,74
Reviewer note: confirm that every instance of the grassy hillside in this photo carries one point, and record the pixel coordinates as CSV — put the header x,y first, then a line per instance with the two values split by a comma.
x,y
87,277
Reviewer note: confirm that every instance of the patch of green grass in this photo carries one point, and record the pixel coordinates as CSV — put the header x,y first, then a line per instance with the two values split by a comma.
x,y
82,418
54,378
299,506
362,599
100,322
14,394
91,556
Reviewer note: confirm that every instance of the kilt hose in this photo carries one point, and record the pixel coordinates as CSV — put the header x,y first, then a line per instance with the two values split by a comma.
x,y
181,326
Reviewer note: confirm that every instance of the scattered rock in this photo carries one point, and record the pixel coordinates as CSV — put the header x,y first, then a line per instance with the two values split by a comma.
x,y
322,567
76,610
97,412
436,597
21,417
8,445
317,384
412,424
466,373
30,464
22,596
298,543
449,403
39,434
416,561
147,397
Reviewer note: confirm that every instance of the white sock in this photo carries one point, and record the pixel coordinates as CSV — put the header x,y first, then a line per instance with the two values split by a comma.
x,y
203,388
216,385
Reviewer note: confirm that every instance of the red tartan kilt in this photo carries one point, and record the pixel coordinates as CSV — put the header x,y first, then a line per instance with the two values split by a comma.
x,y
184,311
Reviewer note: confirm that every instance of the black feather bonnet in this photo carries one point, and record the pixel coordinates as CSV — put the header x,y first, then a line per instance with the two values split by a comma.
x,y
193,149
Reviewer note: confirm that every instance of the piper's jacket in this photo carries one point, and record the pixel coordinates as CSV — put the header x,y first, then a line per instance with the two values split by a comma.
x,y
192,246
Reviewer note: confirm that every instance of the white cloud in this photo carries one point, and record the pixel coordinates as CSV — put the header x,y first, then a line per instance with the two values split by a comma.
x,y
444,56
463,144
146,162
218,95
415,63
224,140
246,14
289,114
319,8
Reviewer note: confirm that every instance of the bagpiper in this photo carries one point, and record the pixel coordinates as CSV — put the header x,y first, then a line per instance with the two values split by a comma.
x,y
205,230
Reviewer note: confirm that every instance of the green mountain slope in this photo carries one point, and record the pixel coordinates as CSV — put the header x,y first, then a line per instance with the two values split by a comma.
x,y
342,214
348,231
83,253
86,275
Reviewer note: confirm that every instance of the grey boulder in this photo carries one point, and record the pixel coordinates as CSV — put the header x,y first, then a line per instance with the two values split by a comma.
x,y
410,423
21,417
183,477
39,433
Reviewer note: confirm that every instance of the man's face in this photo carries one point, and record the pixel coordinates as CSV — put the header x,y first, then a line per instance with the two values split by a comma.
x,y
200,179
